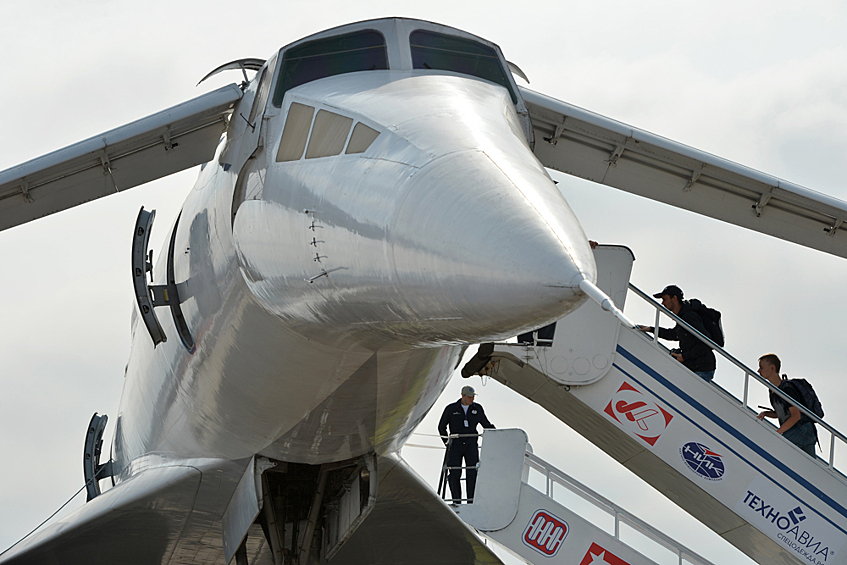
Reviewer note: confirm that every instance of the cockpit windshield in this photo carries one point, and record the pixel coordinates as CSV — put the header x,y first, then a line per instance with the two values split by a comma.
x,y
431,50
358,51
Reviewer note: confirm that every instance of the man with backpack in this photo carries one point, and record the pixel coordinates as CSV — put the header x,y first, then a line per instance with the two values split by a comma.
x,y
794,426
693,353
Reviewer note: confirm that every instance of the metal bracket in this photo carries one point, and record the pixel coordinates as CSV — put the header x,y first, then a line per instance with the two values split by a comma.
x,y
107,169
164,295
107,166
166,137
148,265
149,296
613,158
557,133
832,229
140,240
694,176
25,191
92,470
760,205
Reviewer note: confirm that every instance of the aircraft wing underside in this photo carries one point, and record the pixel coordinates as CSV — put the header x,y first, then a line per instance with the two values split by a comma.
x,y
159,515
578,142
150,148
173,514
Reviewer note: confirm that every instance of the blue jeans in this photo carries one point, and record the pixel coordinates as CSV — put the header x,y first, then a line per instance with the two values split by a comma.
x,y
705,375
803,436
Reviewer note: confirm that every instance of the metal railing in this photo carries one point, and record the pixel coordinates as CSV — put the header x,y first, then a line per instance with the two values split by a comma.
x,y
748,373
442,479
556,476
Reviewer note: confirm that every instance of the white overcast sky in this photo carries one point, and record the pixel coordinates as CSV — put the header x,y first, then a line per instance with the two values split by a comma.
x,y
760,83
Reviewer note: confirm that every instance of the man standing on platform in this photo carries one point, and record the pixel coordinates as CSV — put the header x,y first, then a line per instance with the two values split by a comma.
x,y
462,417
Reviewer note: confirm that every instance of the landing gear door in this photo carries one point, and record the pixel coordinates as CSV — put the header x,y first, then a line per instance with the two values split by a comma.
x,y
353,505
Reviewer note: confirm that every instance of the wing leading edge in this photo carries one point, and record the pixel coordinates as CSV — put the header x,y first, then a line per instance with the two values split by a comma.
x,y
150,148
587,145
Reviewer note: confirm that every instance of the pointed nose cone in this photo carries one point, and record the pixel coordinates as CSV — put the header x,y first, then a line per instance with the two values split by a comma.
x,y
491,246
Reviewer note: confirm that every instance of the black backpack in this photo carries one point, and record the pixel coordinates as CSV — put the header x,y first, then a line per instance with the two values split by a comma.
x,y
807,394
711,320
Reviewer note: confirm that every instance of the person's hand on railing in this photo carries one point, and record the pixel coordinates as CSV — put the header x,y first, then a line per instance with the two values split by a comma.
x,y
644,328
766,413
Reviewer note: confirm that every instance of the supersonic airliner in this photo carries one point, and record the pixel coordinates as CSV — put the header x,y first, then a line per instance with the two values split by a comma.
x,y
371,203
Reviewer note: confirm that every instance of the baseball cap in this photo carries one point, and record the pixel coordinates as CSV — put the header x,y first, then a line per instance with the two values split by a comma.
x,y
468,391
670,290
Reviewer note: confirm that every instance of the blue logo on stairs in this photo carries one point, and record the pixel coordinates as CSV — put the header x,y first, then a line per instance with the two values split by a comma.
x,y
703,461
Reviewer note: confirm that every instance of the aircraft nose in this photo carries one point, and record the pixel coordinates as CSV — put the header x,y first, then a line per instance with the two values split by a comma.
x,y
493,247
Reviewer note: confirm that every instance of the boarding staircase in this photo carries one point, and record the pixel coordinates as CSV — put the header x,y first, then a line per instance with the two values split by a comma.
x,y
544,525
696,442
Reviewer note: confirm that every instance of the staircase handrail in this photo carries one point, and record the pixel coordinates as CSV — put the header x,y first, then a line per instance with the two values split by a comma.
x,y
748,372
620,515
442,478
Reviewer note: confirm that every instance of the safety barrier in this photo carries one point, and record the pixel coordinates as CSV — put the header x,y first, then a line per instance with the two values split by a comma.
x,y
547,526
442,479
554,476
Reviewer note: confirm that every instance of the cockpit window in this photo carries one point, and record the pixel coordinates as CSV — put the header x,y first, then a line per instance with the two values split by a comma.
x,y
358,51
295,133
329,133
432,50
361,139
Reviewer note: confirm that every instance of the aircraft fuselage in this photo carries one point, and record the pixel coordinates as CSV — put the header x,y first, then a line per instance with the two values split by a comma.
x,y
329,294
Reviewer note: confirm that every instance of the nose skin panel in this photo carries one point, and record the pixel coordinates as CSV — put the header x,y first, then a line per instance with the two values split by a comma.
x,y
494,244
446,230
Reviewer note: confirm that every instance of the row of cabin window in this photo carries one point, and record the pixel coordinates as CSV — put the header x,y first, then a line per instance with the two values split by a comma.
x,y
329,133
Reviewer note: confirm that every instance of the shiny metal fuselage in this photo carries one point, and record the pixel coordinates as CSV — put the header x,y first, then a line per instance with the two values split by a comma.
x,y
446,231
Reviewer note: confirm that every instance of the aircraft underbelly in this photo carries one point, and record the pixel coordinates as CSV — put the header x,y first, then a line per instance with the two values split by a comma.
x,y
253,386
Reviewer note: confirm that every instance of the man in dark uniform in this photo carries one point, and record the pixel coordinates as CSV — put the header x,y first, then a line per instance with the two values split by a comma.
x,y
693,353
462,417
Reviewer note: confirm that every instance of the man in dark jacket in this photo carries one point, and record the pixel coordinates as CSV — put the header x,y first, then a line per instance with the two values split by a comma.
x,y
693,353
462,417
